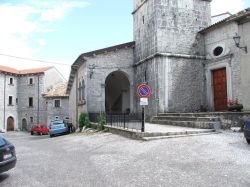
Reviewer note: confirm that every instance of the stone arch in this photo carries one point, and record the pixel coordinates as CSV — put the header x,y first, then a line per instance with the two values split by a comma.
x,y
117,92
24,124
10,123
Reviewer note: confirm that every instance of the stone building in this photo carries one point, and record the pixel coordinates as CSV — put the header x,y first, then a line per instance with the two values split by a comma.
x,y
21,102
57,103
189,64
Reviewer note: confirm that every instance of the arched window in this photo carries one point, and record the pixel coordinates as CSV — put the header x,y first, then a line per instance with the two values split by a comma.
x,y
83,90
79,91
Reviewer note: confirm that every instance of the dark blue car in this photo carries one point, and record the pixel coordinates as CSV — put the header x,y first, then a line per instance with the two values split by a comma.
x,y
7,155
247,130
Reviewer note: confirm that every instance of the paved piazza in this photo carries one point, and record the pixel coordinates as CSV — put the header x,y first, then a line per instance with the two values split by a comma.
x,y
108,160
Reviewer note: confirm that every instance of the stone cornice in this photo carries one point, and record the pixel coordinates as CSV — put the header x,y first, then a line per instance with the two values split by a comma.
x,y
170,55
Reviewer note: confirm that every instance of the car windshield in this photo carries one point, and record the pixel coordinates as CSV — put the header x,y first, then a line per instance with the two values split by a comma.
x,y
57,123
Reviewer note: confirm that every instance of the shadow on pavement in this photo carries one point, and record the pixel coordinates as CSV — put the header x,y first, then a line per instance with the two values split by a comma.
x,y
3,177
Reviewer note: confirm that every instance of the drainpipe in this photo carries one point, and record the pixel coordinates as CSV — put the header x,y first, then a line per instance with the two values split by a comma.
x,y
4,95
38,99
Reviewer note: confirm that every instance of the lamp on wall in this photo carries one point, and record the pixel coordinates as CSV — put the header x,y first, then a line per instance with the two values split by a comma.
x,y
91,70
237,42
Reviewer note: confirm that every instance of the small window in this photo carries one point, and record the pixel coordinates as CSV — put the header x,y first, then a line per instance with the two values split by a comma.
x,y
57,103
143,19
31,119
218,51
30,101
31,81
10,100
16,100
11,81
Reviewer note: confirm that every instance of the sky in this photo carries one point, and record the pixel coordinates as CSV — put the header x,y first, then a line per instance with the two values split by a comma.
x,y
38,33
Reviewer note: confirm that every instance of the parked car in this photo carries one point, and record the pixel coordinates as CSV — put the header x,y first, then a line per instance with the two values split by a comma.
x,y
58,127
39,129
7,155
247,130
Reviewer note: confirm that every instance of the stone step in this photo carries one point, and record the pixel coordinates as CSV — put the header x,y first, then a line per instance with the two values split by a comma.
x,y
186,118
205,114
192,124
177,136
173,133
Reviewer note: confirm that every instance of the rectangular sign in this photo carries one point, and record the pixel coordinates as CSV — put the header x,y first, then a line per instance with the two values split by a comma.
x,y
143,101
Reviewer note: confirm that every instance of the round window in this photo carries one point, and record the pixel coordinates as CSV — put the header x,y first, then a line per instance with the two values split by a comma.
x,y
218,51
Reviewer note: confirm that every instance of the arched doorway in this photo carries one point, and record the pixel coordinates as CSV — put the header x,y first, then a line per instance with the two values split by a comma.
x,y
117,93
24,125
10,124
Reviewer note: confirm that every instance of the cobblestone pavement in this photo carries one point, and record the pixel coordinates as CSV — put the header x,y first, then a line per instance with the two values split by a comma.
x,y
108,160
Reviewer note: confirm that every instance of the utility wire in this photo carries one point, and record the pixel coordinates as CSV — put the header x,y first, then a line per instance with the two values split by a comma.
x,y
30,59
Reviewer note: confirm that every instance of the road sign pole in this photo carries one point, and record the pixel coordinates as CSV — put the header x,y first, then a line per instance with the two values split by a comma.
x,y
143,121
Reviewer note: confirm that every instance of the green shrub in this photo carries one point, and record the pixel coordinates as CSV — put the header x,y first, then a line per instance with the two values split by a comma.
x,y
82,120
87,122
101,122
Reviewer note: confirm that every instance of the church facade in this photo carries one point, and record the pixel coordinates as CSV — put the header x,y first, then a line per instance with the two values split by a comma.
x,y
189,64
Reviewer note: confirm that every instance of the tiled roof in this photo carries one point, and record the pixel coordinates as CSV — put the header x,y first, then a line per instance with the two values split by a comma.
x,y
23,72
234,17
34,70
58,91
8,69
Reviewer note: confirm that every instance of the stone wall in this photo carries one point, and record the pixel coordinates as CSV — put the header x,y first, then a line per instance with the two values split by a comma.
x,y
144,30
186,85
35,90
10,90
169,26
153,73
244,32
106,63
60,112
176,84
73,103
231,58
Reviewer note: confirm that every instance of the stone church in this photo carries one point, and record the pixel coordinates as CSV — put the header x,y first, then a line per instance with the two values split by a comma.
x,y
190,64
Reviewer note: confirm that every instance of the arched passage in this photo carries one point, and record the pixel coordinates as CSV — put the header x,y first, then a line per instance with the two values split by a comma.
x,y
10,124
24,124
117,93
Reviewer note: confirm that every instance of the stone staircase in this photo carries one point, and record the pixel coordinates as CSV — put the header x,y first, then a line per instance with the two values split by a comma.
x,y
194,120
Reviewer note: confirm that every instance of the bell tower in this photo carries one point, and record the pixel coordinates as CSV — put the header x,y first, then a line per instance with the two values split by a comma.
x,y
169,52
169,26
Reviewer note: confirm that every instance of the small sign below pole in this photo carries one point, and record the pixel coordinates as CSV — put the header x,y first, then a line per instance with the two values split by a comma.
x,y
143,101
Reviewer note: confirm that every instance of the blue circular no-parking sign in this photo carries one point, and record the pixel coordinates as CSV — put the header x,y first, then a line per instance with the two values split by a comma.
x,y
143,91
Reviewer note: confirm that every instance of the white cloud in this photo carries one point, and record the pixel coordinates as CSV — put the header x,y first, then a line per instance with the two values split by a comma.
x,y
18,22
58,11
222,6
41,42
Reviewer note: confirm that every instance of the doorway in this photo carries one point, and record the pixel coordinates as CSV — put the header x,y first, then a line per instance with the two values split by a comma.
x,y
220,89
117,93
10,124
24,125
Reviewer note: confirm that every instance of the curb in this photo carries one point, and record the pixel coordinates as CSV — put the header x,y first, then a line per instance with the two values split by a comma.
x,y
175,136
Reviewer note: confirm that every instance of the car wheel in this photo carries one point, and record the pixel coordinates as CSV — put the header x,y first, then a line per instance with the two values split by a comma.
x,y
31,132
248,141
51,135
